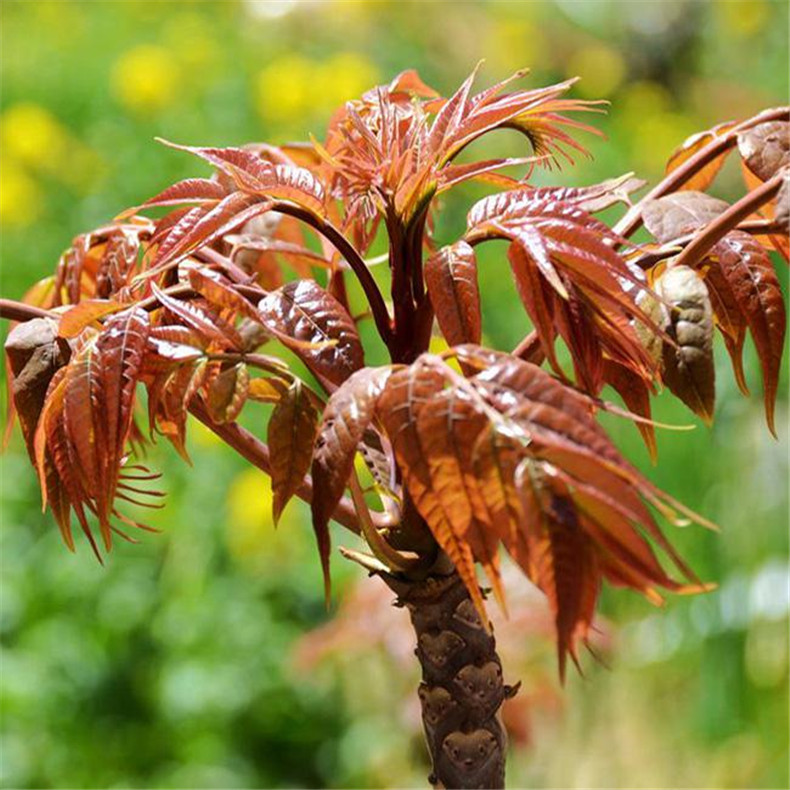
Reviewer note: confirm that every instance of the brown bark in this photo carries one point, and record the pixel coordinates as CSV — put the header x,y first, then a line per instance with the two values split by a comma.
x,y
462,687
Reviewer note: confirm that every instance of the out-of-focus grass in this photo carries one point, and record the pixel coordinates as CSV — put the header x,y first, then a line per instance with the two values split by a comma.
x,y
171,667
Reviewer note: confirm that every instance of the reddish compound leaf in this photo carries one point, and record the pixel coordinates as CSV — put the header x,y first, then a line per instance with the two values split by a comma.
x,y
636,396
190,190
563,559
198,319
728,315
448,428
120,347
87,312
407,394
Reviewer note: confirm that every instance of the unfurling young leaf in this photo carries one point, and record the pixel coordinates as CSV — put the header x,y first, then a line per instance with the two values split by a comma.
x,y
688,365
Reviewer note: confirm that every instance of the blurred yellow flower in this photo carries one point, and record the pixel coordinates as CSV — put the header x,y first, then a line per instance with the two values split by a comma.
x,y
655,128
644,96
20,196
251,528
35,138
294,87
283,88
600,67
250,504
32,134
146,78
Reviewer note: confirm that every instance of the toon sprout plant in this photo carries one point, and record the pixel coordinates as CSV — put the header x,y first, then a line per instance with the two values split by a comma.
x,y
466,449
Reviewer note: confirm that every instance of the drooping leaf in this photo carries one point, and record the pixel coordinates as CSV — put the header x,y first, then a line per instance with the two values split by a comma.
x,y
747,268
688,367
636,396
563,559
121,347
569,277
727,314
169,397
451,279
448,428
291,434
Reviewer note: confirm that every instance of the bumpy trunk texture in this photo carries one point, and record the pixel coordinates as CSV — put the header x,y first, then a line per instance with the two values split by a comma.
x,y
462,687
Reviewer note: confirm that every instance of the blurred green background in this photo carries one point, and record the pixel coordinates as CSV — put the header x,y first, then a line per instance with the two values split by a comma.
x,y
193,659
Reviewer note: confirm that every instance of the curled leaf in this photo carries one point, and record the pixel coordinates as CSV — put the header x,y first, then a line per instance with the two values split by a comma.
x,y
766,148
688,366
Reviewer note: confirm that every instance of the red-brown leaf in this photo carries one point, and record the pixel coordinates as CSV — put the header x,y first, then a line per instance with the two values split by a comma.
x,y
346,418
407,394
306,313
227,393
675,215
291,433
88,311
747,268
766,148
703,178
451,279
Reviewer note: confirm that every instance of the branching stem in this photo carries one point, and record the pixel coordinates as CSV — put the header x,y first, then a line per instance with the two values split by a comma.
x,y
632,219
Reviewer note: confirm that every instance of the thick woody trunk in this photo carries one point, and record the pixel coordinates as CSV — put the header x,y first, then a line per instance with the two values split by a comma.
x,y
462,687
